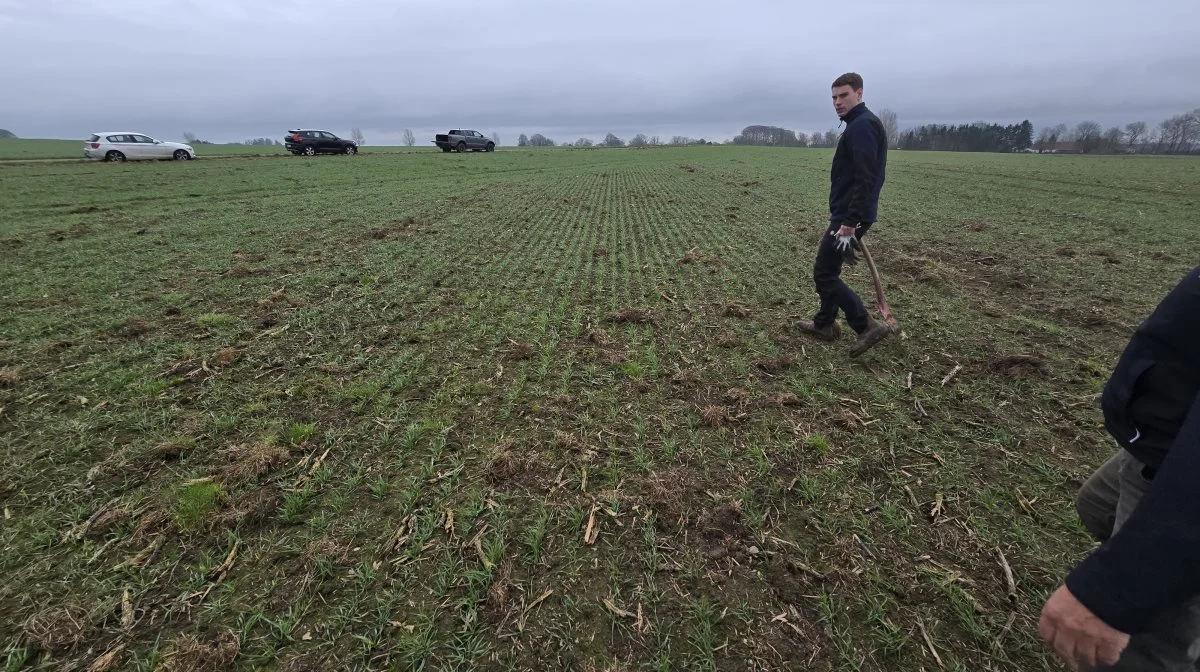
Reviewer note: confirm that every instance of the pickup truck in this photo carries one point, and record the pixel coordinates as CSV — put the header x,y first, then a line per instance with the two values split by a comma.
x,y
461,141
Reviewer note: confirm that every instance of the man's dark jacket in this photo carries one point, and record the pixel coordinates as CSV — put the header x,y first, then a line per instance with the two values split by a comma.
x,y
856,177
1151,407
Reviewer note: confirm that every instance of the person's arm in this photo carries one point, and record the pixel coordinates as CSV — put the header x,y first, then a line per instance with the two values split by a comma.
x,y
1150,564
864,153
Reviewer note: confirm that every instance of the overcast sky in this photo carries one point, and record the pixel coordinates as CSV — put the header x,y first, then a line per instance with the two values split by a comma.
x,y
233,69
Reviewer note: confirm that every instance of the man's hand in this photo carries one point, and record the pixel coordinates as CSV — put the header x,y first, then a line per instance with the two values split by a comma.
x,y
1080,638
845,230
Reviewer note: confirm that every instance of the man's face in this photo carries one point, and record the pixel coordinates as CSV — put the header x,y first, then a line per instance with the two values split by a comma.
x,y
845,98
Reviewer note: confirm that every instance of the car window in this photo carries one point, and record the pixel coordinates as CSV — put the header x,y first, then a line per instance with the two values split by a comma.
x,y
117,138
94,138
330,136
143,139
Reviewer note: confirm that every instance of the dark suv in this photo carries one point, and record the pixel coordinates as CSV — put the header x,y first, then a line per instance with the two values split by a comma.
x,y
310,142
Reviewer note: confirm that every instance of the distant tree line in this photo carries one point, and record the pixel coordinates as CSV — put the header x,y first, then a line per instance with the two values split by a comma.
x,y
610,140
1179,134
262,142
7,134
976,137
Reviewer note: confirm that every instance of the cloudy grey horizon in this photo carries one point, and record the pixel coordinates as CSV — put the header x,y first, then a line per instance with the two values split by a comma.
x,y
227,70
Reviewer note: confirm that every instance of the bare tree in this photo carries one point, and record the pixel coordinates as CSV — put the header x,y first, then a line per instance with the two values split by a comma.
x,y
612,140
583,142
654,141
356,135
639,140
539,140
1088,136
1133,132
1046,139
801,139
496,138
891,126
522,141
831,138
1113,138
407,138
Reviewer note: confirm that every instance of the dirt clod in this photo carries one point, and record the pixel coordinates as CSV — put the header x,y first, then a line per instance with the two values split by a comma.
x,y
521,351
505,464
191,654
723,529
736,309
737,395
10,376
775,364
57,629
784,399
255,508
686,378
244,271
226,356
714,415
251,461
173,450
1017,366
631,316
597,336
134,327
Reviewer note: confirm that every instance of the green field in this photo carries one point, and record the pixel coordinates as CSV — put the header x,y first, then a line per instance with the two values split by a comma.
x,y
13,149
542,410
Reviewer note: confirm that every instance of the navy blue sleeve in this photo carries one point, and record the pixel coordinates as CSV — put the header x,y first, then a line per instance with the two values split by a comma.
x,y
1150,564
864,153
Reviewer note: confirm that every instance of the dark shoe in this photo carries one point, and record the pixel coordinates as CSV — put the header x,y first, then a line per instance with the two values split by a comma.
x,y
826,333
876,331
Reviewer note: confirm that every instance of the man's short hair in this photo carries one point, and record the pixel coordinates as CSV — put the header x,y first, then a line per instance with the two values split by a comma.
x,y
850,79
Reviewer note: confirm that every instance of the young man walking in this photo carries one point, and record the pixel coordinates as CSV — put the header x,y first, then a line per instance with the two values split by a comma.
x,y
1134,603
855,182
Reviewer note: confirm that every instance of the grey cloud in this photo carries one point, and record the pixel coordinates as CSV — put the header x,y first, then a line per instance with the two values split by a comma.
x,y
227,69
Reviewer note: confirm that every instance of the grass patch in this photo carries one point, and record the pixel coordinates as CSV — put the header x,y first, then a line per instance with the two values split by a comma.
x,y
560,423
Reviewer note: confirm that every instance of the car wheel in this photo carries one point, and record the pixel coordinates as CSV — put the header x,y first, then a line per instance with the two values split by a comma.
x,y
114,156
181,155
491,147
351,149
462,147
311,150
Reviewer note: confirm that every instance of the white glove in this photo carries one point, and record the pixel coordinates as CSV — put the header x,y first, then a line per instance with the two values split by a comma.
x,y
845,243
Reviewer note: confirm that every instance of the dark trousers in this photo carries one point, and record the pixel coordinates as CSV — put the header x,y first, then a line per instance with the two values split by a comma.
x,y
1172,642
835,294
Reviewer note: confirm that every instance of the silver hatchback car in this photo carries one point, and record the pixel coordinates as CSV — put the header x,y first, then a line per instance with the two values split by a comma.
x,y
125,146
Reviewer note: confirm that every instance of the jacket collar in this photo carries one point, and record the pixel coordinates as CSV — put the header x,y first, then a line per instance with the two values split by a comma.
x,y
854,112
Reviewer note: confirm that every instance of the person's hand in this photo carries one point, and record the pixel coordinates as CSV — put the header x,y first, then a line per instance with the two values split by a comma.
x,y
845,238
1077,635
